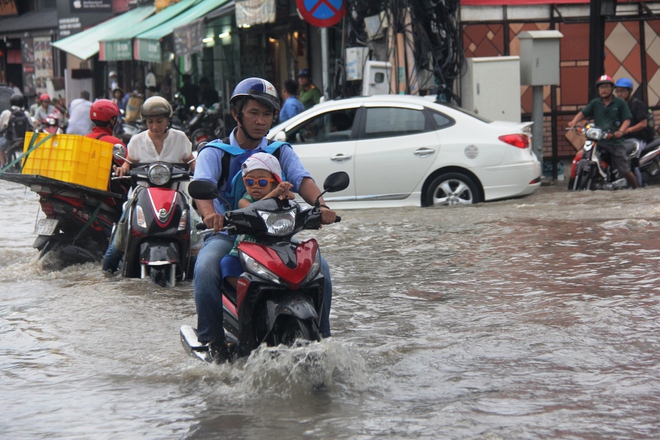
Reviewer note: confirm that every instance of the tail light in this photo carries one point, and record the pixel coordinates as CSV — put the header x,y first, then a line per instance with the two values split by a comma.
x,y
517,140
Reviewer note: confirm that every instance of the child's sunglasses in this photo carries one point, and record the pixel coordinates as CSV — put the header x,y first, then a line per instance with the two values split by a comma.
x,y
261,182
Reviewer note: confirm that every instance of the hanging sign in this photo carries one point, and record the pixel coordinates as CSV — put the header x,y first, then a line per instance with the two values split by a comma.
x,y
322,13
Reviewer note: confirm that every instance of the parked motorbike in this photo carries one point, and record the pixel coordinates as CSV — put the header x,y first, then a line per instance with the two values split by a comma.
x,y
649,161
205,125
129,129
279,297
158,224
591,167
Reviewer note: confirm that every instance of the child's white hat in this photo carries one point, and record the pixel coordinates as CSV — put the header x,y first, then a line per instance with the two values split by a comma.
x,y
263,161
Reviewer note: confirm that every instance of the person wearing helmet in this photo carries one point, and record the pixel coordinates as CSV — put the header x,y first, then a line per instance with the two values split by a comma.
x,y
639,131
310,95
253,105
158,143
103,113
612,115
44,110
16,112
79,120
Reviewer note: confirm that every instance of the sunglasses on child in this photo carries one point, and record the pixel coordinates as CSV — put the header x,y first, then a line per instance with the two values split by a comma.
x,y
261,182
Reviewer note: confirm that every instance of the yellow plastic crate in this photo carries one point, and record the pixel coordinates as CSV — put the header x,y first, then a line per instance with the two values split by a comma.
x,y
71,158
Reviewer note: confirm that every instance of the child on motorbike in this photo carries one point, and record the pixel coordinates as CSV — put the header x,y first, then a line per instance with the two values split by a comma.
x,y
262,176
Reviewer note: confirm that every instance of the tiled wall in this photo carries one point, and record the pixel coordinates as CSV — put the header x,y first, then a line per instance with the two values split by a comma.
x,y
623,58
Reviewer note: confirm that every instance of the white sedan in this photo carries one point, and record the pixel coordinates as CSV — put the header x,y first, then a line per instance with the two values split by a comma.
x,y
402,150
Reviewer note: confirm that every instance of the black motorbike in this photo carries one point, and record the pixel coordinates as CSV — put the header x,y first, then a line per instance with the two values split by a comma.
x,y
157,230
205,124
279,296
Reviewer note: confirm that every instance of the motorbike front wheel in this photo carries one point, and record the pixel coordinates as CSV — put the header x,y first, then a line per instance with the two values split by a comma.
x,y
290,328
583,177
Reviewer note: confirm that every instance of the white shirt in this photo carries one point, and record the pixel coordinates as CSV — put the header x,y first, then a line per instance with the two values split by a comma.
x,y
176,148
79,121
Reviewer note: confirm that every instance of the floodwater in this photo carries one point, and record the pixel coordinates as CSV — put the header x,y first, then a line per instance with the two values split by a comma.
x,y
531,318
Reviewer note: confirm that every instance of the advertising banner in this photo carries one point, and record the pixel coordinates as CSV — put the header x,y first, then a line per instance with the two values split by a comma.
x,y
253,12
188,38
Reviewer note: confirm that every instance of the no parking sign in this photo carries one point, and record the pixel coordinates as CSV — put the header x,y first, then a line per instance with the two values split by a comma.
x,y
322,13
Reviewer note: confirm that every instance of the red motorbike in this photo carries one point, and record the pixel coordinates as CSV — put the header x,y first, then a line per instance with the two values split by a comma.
x,y
279,296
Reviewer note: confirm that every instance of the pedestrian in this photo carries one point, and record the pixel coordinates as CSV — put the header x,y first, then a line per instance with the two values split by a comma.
x,y
35,106
253,105
117,95
309,94
189,91
612,115
292,106
113,82
208,94
79,119
15,88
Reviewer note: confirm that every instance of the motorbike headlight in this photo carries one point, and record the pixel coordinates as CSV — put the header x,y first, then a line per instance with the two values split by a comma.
x,y
594,133
279,223
51,121
159,174
200,109
252,266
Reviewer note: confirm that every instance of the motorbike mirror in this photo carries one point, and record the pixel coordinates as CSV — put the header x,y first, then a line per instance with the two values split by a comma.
x,y
336,182
119,151
202,190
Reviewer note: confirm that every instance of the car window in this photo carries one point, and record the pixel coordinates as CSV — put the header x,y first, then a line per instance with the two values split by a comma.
x,y
394,121
441,121
334,126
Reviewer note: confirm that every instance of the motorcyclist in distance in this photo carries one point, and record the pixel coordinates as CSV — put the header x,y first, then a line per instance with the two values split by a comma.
x,y
608,112
16,102
639,131
44,110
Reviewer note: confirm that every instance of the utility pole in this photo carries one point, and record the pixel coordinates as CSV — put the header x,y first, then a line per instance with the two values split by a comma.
x,y
599,9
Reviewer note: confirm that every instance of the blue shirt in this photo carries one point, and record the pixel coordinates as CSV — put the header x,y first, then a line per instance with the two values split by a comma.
x,y
291,108
209,166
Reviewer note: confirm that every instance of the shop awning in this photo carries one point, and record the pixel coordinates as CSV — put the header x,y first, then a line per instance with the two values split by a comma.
x,y
146,46
118,46
30,21
85,44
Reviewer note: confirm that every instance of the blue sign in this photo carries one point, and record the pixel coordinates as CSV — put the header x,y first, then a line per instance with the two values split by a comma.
x,y
322,13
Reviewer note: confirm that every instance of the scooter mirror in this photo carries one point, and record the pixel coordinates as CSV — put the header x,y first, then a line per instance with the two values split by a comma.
x,y
336,182
202,190
119,151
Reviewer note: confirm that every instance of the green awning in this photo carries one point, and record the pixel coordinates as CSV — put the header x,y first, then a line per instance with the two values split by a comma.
x,y
146,46
119,45
85,44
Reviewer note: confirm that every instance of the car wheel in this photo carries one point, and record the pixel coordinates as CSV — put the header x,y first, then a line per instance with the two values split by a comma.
x,y
452,189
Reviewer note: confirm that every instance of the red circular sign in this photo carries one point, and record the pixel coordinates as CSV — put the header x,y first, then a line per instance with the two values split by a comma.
x,y
322,13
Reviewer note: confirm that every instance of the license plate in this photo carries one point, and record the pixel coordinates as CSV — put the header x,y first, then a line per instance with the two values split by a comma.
x,y
46,226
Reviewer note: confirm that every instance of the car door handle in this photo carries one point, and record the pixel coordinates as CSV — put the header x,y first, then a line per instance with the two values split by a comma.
x,y
423,152
340,158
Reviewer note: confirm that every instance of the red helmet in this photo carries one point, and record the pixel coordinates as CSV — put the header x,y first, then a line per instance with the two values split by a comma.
x,y
605,79
44,97
103,110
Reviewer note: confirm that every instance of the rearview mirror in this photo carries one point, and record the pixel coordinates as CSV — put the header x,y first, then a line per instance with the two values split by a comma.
x,y
202,190
335,182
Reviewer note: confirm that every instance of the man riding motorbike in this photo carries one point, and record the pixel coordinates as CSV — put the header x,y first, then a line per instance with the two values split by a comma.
x,y
608,112
639,131
253,104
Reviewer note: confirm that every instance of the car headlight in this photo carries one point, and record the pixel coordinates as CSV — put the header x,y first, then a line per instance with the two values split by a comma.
x,y
159,174
279,224
251,265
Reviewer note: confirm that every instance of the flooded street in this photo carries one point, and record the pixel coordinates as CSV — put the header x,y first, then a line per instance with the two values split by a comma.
x,y
531,318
